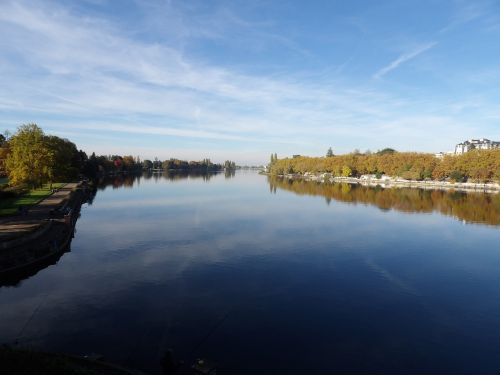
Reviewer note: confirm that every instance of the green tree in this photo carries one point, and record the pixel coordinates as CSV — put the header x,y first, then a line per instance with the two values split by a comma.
x,y
4,151
148,164
65,161
457,176
274,158
229,165
91,166
386,150
329,153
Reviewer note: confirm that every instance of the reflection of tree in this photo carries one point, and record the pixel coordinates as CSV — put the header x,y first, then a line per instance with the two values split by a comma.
x,y
472,207
182,175
229,173
129,180
118,181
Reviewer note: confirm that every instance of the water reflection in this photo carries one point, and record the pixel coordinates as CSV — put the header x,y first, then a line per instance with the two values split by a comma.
x,y
127,181
131,180
467,206
267,283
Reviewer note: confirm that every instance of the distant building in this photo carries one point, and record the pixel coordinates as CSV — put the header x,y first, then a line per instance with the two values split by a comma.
x,y
475,144
441,155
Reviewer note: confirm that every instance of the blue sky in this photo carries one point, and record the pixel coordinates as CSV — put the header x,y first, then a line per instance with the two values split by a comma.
x,y
241,79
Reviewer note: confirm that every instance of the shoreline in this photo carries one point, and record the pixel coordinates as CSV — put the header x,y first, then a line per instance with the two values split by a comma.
x,y
394,182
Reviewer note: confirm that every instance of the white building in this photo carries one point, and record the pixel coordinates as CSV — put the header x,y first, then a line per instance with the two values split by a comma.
x,y
441,155
475,144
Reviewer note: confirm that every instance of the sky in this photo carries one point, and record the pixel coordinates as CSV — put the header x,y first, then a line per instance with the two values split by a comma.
x,y
240,80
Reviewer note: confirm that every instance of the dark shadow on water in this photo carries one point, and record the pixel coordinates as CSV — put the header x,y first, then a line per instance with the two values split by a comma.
x,y
15,278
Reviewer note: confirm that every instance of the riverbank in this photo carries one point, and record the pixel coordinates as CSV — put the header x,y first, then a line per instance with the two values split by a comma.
x,y
395,182
33,216
39,236
16,202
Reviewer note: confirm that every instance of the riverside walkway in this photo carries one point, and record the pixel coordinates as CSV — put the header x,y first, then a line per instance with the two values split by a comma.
x,y
22,224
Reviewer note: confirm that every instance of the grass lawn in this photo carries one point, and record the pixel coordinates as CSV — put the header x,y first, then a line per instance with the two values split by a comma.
x,y
11,206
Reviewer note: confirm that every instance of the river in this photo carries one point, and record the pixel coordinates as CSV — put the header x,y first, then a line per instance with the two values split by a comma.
x,y
268,276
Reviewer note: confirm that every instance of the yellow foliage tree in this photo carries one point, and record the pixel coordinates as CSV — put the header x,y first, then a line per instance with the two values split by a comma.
x,y
29,159
476,165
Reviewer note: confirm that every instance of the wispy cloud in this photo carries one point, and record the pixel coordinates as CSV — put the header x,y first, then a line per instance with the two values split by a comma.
x,y
90,70
402,59
159,85
466,12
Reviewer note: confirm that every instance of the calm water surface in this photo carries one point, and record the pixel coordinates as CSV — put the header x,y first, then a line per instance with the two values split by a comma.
x,y
265,276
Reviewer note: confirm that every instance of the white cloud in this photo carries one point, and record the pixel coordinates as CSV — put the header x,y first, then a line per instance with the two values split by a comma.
x,y
75,74
402,59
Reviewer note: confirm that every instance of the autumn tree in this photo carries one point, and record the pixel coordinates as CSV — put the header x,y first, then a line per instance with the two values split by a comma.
x,y
29,159
475,165
346,171
129,163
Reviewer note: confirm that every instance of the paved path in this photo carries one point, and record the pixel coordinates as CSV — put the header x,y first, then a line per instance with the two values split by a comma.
x,y
18,225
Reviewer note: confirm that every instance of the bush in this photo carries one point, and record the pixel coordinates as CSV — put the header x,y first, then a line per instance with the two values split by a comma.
x,y
346,171
457,176
411,175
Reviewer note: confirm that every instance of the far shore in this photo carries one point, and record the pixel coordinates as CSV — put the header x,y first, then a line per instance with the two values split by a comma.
x,y
396,182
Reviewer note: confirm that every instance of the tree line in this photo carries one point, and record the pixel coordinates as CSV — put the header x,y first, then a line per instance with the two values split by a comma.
x,y
172,164
475,165
34,158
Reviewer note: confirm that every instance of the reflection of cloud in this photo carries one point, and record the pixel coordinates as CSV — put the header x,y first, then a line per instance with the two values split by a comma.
x,y
396,281
118,254
157,202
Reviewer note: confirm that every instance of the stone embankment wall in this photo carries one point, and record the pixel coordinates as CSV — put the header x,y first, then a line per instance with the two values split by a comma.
x,y
50,238
38,232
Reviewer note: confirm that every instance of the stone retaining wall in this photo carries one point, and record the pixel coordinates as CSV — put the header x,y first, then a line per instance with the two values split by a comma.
x,y
27,237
